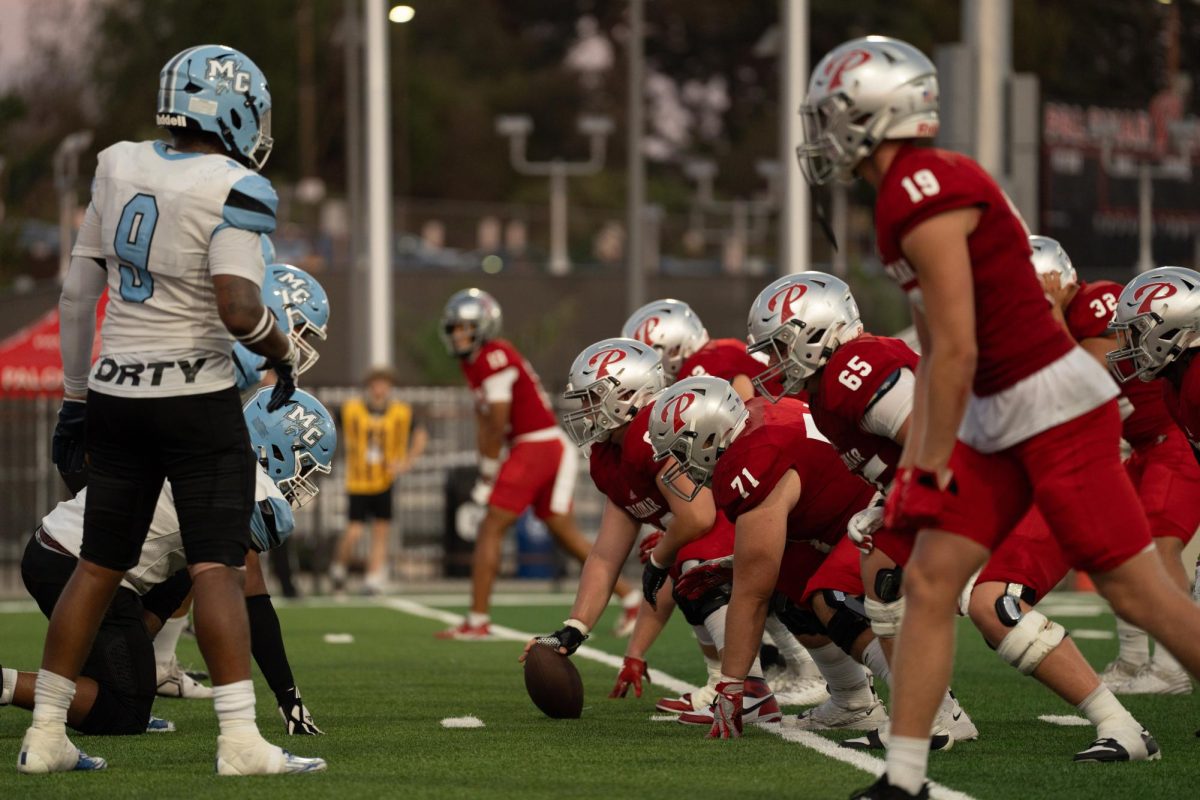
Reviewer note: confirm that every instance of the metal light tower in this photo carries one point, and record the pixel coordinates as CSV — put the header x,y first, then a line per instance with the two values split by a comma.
x,y
748,216
517,128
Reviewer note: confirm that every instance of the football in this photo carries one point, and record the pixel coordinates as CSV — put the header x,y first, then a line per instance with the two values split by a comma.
x,y
553,683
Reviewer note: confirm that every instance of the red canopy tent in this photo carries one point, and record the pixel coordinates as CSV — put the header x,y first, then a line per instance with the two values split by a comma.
x,y
30,363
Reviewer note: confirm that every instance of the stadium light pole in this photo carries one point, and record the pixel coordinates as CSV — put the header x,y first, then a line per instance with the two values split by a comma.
x,y
379,186
795,244
635,170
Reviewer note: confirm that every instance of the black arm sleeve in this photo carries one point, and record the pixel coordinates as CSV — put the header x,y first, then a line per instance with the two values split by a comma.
x,y
266,643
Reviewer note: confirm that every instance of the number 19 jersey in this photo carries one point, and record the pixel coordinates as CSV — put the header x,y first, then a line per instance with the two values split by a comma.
x,y
153,216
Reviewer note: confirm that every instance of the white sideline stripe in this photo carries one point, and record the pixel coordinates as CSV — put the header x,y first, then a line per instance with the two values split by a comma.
x,y
825,747
1066,720
1092,633
1071,610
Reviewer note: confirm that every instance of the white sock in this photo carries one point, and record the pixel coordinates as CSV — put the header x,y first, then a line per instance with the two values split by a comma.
x,y
755,670
477,620
797,658
8,686
1105,711
337,572
876,661
234,703
713,667
631,600
166,640
1134,643
52,697
714,623
848,684
907,762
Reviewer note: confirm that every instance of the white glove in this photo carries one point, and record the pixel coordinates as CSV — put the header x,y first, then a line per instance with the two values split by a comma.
x,y
865,523
481,492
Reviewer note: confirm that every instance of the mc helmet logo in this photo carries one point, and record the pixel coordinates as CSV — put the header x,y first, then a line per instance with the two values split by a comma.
x,y
673,410
1151,292
305,425
603,359
225,75
789,294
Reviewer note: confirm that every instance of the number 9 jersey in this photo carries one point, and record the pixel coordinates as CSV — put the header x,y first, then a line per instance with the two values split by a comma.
x,y
164,222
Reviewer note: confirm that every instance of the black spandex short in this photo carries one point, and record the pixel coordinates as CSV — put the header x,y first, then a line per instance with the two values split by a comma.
x,y
373,506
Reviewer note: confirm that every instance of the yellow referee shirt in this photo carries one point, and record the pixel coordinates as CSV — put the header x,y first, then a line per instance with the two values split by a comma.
x,y
373,441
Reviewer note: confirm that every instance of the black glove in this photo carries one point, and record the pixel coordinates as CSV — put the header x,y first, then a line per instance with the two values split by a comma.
x,y
295,716
569,637
653,578
66,449
285,378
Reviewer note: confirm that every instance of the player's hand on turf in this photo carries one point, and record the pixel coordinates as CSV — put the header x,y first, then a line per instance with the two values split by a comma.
x,y
633,670
654,575
66,449
916,499
285,378
566,640
705,576
647,545
296,718
727,711
863,525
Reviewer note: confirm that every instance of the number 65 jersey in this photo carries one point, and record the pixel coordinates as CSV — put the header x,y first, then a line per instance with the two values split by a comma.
x,y
156,213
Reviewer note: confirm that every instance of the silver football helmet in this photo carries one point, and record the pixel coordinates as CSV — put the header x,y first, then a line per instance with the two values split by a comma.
x,y
479,312
864,91
693,422
1049,258
797,322
611,381
1157,318
671,328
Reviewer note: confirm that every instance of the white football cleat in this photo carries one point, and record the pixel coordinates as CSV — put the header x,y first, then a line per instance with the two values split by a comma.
x,y
940,739
793,690
1128,744
953,717
1154,679
1119,671
43,752
244,755
830,716
758,706
174,682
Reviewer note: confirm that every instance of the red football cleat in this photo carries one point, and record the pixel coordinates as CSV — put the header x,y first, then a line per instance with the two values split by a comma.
x,y
467,633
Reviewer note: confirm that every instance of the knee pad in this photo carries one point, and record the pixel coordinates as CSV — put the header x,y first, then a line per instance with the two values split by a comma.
x,y
849,619
1029,642
1008,607
165,599
800,621
885,617
696,611
888,583
701,634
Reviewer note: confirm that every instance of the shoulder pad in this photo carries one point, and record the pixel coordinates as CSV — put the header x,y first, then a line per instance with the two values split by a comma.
x,y
251,205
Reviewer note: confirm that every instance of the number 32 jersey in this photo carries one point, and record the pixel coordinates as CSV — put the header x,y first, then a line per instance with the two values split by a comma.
x,y
152,219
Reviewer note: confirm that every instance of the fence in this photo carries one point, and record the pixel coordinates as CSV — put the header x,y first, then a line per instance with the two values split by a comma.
x,y
31,486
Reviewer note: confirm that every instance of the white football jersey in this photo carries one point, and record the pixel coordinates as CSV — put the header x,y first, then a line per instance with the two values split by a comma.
x,y
162,553
153,214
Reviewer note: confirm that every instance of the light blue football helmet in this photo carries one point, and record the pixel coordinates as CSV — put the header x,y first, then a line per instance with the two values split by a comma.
x,y
268,249
301,309
220,90
294,443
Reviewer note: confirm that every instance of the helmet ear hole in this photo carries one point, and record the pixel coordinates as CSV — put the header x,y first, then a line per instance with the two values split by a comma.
x,y
275,451
710,442
193,88
235,118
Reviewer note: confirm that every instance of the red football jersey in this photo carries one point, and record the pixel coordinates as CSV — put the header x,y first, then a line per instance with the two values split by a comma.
x,y
847,389
1015,333
721,358
1184,403
530,407
781,437
1088,316
627,473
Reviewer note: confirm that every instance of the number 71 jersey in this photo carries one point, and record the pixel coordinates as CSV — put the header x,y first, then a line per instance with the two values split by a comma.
x,y
153,216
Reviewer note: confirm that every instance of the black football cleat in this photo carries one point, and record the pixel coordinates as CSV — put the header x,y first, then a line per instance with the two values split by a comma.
x,y
1108,750
882,790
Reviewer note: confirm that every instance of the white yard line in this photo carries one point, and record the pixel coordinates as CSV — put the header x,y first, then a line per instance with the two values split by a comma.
x,y
1066,720
826,747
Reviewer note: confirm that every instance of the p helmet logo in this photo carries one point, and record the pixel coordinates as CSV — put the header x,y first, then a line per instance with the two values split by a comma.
x,y
227,75
304,424
673,410
604,358
848,61
790,295
646,330
1161,291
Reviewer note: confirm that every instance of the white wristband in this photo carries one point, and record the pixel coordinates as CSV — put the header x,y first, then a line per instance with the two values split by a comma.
x,y
261,331
488,467
577,625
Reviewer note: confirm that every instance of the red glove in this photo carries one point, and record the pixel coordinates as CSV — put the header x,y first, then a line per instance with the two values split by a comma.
x,y
706,575
648,544
727,711
916,500
631,674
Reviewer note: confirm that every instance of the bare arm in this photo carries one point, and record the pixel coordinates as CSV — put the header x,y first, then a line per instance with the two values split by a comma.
x,y
618,531
743,386
491,429
689,520
240,305
915,426
1098,347
937,249
758,549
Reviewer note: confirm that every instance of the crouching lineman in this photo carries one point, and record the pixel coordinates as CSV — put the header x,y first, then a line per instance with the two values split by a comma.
x,y
860,393
512,412
117,686
614,383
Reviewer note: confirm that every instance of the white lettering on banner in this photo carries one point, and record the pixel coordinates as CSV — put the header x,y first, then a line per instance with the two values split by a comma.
x,y
31,379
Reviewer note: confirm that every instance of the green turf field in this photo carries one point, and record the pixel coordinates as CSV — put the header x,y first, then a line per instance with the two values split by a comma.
x,y
380,701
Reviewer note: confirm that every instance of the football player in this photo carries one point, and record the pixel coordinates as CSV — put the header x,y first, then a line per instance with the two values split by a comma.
x,y
173,231
539,470
117,685
781,483
1007,410
860,393
1162,466
612,385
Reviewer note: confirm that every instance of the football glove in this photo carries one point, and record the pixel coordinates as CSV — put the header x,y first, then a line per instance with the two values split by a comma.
x,y
565,637
647,545
727,711
863,524
285,378
67,447
633,670
704,577
916,499
296,718
653,578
